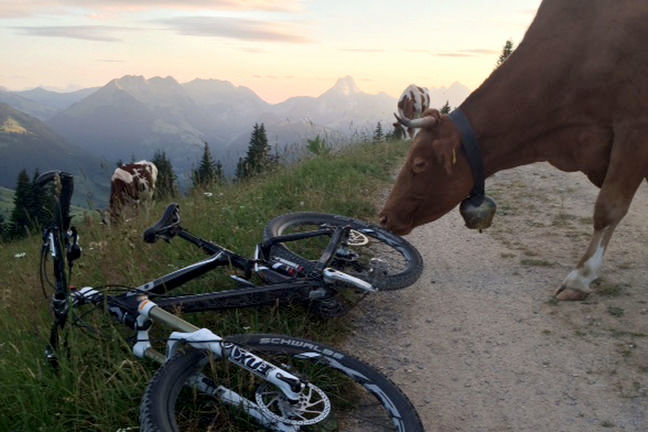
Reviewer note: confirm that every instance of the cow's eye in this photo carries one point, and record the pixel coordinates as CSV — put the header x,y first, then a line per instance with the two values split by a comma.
x,y
418,165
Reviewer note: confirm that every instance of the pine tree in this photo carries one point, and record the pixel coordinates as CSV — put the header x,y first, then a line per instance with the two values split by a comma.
x,y
506,52
206,172
219,173
166,184
398,133
445,109
3,227
241,169
318,146
21,221
259,157
378,135
41,203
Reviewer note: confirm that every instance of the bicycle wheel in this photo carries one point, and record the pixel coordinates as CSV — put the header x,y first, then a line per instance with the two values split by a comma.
x,y
371,253
361,399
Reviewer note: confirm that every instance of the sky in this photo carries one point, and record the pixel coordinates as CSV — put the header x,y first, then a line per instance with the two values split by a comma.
x,y
278,48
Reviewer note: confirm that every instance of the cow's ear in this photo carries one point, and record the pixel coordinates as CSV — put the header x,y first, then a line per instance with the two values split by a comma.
x,y
445,151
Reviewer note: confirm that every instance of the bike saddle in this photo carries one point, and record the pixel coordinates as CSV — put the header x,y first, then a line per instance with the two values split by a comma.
x,y
166,227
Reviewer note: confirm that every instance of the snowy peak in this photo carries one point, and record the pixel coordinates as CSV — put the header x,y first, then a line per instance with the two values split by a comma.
x,y
344,86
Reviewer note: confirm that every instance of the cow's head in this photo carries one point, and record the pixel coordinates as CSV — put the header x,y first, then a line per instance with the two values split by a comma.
x,y
435,178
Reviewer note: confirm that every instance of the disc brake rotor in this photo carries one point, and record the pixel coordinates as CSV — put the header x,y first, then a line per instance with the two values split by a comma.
x,y
312,407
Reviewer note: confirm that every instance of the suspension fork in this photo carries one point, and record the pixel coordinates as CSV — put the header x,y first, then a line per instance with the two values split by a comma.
x,y
202,338
60,306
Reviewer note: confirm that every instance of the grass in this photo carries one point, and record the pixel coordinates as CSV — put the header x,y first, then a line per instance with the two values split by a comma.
x,y
6,202
609,289
100,382
615,311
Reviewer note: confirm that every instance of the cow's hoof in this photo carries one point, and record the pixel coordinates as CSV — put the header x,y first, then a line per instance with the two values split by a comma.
x,y
570,294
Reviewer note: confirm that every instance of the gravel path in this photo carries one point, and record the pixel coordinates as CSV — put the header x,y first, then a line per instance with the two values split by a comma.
x,y
479,345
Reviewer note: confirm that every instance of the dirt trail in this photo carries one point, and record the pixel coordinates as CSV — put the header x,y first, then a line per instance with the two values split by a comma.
x,y
477,343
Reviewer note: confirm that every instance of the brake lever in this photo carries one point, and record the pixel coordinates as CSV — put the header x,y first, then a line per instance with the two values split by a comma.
x,y
73,247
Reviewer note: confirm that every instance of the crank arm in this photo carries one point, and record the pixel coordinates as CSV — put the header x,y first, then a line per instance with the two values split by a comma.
x,y
332,275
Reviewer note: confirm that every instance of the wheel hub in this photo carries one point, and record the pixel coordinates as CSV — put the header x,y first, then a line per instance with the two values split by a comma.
x,y
312,407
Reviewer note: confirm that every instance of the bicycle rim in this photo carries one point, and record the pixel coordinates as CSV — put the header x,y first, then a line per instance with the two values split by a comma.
x,y
370,253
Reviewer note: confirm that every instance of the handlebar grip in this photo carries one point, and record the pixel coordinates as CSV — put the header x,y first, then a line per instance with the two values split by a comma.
x,y
67,188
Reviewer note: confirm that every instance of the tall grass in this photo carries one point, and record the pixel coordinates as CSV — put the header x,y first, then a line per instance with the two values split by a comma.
x,y
100,382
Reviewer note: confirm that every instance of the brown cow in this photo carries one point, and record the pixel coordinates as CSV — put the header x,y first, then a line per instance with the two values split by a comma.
x,y
574,93
130,186
413,102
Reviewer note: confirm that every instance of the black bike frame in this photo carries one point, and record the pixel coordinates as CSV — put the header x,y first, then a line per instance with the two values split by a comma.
x,y
282,288
287,289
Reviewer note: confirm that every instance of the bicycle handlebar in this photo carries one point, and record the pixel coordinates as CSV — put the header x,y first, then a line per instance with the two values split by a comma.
x,y
65,181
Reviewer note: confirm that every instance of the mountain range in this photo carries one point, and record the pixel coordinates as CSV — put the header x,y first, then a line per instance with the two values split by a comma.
x,y
132,117
27,143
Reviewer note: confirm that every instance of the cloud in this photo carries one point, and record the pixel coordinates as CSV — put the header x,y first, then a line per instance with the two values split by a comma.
x,y
273,77
254,50
459,53
363,50
91,33
453,54
480,51
22,8
235,28
466,53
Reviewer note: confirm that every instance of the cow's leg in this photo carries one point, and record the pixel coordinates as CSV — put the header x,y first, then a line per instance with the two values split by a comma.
x,y
626,170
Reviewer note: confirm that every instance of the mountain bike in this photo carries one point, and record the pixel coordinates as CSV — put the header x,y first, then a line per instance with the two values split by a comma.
x,y
243,382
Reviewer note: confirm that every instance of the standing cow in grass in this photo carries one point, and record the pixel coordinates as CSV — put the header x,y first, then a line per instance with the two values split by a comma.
x,y
413,102
582,108
131,186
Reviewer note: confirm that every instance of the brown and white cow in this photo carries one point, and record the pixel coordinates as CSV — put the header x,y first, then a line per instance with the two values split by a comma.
x,y
582,108
412,104
131,186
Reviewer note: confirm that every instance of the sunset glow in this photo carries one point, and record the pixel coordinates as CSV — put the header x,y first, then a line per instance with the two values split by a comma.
x,y
277,48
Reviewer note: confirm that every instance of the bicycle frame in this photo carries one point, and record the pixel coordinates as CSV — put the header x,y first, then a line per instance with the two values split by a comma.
x,y
135,309
285,290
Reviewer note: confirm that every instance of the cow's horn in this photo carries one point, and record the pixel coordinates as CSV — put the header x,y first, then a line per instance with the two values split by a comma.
x,y
426,122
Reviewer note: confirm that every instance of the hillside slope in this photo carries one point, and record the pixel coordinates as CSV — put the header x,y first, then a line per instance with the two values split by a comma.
x,y
27,143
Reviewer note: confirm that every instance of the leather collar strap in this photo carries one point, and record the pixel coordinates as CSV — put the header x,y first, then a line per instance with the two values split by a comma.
x,y
470,146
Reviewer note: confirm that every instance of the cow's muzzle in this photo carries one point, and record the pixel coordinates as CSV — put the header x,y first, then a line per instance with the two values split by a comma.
x,y
391,224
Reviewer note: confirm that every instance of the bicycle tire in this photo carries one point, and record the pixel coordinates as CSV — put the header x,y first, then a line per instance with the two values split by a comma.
x,y
404,262
343,378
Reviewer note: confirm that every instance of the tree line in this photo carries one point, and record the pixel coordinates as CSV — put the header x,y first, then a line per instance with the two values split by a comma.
x,y
33,205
